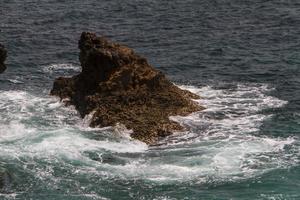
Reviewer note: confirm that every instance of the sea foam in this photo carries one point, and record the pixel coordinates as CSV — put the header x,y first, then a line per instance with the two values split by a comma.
x,y
222,143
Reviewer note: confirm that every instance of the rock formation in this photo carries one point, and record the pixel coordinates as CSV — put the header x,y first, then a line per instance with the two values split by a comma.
x,y
3,54
118,86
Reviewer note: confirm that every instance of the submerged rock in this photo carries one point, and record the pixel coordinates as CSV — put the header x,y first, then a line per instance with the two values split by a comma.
x,y
5,179
118,86
3,54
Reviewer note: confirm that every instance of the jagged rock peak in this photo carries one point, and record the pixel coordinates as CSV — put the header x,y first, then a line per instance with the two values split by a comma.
x,y
117,85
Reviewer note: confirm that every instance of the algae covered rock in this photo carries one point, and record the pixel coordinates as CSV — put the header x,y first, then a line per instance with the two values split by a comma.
x,y
117,85
3,54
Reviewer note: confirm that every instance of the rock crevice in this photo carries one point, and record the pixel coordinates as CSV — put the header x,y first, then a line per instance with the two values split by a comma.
x,y
119,86
3,55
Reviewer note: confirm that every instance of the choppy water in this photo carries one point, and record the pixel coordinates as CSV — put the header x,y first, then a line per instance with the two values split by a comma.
x,y
242,57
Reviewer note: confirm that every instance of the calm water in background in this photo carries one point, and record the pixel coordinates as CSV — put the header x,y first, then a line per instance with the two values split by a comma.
x,y
242,57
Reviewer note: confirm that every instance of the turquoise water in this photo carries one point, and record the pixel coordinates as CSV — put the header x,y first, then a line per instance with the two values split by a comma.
x,y
241,57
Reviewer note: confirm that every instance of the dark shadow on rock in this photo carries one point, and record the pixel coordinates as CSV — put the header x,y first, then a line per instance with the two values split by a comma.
x,y
3,55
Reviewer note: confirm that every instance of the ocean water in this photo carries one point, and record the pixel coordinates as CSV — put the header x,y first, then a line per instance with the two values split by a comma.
x,y
241,57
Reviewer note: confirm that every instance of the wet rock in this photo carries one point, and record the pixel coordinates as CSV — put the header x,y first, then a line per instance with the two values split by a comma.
x,y
3,54
117,85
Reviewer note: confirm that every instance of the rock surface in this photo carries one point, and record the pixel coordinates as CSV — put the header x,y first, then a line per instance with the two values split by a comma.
x,y
3,54
118,86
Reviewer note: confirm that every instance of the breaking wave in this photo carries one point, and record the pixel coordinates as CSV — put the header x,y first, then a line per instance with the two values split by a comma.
x,y
224,143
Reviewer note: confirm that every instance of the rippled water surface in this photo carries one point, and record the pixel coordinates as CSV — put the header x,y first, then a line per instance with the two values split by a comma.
x,y
241,57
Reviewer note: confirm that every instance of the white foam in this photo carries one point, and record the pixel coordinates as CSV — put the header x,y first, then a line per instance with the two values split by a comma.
x,y
58,136
15,81
237,158
223,144
87,119
9,196
21,105
235,111
64,66
226,136
13,131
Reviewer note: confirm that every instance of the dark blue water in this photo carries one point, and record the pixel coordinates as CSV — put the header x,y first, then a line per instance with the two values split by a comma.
x,y
242,57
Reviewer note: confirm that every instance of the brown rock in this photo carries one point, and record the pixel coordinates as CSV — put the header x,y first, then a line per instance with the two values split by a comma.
x,y
119,86
3,54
